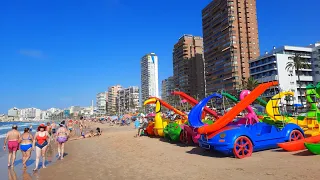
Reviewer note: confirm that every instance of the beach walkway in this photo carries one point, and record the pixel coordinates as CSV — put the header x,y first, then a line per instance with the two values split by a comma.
x,y
118,155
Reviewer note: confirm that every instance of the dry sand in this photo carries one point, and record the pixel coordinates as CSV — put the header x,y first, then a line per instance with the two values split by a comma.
x,y
118,155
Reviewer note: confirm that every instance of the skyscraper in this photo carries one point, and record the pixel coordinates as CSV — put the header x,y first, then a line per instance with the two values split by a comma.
x,y
230,35
112,99
188,65
149,76
167,87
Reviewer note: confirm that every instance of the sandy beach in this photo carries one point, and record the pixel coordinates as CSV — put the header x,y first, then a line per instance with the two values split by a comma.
x,y
118,155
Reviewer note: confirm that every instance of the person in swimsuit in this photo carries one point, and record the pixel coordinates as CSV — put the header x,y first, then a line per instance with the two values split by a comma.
x,y
26,146
62,137
53,127
83,136
70,126
30,128
12,139
48,129
40,143
98,132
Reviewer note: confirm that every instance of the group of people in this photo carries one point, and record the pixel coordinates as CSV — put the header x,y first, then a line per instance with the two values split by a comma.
x,y
26,142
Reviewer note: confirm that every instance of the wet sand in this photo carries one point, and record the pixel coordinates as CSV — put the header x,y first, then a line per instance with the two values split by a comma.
x,y
118,155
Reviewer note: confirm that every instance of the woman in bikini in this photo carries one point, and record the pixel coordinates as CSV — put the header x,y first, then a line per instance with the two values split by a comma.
x,y
40,143
26,146
62,137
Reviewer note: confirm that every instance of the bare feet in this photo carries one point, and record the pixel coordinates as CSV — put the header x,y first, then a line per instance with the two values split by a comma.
x,y
9,165
35,169
44,167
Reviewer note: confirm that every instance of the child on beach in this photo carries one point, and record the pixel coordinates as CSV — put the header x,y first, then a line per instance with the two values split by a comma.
x,y
12,139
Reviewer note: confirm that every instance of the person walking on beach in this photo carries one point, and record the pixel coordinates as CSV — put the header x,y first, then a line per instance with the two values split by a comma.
x,y
62,137
26,146
48,129
53,127
30,128
12,139
40,143
70,126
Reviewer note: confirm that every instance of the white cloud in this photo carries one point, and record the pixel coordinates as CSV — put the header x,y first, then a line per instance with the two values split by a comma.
x,y
32,53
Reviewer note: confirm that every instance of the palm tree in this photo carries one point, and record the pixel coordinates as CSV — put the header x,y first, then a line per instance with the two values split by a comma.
x,y
296,65
250,83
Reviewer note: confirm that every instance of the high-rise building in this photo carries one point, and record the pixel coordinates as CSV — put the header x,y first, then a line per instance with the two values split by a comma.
x,y
167,86
149,76
188,65
128,100
112,99
230,36
316,61
102,100
272,66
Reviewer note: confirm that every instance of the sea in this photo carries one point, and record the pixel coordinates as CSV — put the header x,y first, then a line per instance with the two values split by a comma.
x,y
17,172
7,126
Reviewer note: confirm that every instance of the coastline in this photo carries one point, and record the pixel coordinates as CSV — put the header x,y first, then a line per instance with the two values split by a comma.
x,y
118,155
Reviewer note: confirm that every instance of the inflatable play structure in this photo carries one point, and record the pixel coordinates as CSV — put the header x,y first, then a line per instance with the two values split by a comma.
x,y
309,123
159,124
180,131
241,140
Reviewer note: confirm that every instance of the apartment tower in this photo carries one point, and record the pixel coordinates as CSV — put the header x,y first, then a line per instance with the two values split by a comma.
x,y
230,35
149,76
112,99
188,65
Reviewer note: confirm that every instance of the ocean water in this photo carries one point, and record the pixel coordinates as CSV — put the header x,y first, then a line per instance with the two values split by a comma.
x,y
7,126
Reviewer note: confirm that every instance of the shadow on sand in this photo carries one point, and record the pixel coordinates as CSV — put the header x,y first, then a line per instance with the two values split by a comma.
x,y
279,150
204,152
304,153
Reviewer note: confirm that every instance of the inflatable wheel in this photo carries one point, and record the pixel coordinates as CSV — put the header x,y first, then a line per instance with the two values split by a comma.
x,y
182,136
295,135
242,147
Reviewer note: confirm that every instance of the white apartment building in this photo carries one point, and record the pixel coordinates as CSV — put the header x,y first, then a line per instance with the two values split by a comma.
x,y
54,110
272,66
112,99
316,61
128,100
30,114
167,87
149,76
102,100
45,115
13,112
75,110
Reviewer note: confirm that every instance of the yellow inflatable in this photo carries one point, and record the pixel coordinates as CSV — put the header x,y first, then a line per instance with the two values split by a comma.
x,y
159,124
307,124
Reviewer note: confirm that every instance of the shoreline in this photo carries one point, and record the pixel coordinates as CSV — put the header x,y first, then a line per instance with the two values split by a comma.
x,y
118,155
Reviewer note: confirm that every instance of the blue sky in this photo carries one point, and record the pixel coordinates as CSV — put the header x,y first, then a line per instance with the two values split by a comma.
x,y
57,53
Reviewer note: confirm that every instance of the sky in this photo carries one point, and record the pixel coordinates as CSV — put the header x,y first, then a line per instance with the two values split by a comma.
x,y
58,53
